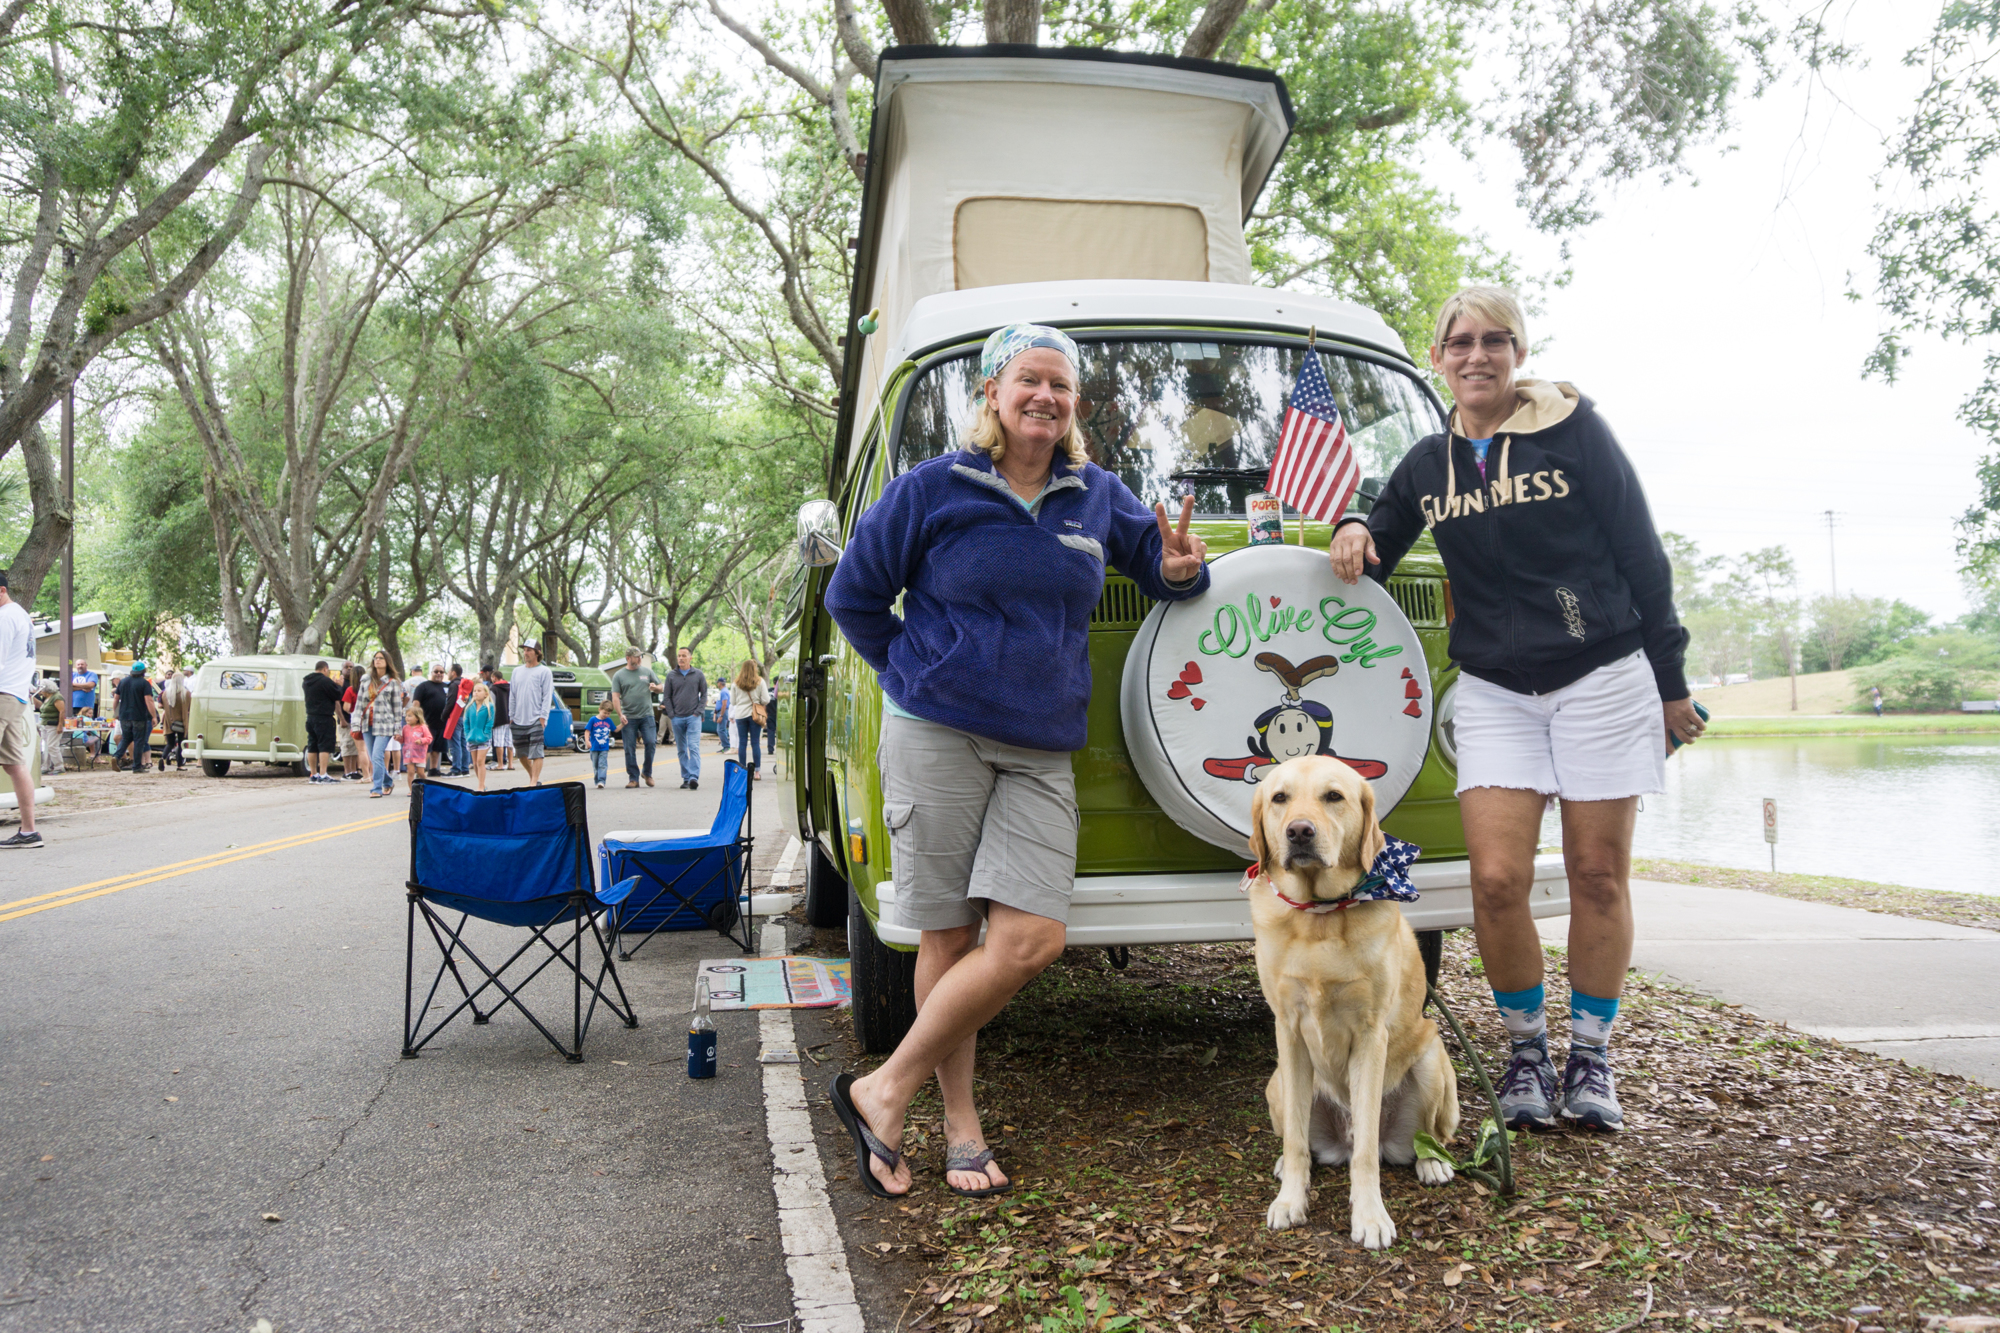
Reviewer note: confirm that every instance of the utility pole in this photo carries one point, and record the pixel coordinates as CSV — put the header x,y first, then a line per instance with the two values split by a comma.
x,y
66,665
1833,570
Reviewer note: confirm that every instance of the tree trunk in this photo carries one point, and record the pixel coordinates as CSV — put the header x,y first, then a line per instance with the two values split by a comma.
x,y
50,531
1213,30
910,20
1015,22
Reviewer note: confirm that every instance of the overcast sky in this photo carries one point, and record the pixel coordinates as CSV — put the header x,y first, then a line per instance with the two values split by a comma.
x,y
1709,322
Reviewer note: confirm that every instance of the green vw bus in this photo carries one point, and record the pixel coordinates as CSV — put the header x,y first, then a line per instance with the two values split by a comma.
x,y
1186,376
250,709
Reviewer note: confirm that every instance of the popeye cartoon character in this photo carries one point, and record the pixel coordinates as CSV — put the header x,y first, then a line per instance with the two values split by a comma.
x,y
1296,727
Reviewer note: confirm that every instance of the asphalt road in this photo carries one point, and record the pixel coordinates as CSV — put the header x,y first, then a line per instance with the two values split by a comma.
x,y
184,1056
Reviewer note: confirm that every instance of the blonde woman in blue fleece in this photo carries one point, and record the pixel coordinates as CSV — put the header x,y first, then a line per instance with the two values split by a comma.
x,y
998,552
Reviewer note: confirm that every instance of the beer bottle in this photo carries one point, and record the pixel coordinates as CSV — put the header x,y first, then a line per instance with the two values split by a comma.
x,y
701,1035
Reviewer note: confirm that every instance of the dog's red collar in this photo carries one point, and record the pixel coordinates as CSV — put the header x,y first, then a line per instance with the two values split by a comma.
x,y
1255,873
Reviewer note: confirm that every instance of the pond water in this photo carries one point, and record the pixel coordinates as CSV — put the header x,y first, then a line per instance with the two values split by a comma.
x,y
1917,810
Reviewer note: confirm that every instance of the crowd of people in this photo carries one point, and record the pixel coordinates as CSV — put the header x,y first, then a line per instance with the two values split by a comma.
x,y
435,722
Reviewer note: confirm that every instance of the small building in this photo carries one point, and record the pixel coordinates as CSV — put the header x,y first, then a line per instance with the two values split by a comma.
x,y
88,644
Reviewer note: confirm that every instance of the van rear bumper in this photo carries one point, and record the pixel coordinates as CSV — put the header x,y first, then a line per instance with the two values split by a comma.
x,y
279,753
1206,908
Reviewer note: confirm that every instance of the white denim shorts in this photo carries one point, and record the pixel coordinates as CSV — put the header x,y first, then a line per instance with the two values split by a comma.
x,y
973,821
1601,738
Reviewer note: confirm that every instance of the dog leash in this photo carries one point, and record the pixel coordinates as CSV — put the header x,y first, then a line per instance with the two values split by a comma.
x,y
1504,1182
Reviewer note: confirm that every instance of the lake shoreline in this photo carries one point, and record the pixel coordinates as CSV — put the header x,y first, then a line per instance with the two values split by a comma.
x,y
1854,724
1981,911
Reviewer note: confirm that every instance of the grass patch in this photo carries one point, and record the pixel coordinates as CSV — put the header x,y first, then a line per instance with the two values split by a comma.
x,y
1767,1179
1955,909
1854,724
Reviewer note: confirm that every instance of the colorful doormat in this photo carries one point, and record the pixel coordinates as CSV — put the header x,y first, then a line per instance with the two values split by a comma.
x,y
776,983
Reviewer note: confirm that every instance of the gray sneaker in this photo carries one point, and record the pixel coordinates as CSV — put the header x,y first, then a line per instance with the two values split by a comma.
x,y
1590,1095
1528,1089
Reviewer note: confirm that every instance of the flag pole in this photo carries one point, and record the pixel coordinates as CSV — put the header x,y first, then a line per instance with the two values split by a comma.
x,y
1312,349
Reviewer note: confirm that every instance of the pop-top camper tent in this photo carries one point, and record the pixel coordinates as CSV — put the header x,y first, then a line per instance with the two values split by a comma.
x,y
996,165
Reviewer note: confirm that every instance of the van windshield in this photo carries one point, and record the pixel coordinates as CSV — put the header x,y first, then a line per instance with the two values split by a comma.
x,y
1170,417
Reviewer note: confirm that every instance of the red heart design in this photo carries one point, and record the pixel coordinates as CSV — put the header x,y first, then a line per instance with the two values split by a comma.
x,y
1198,703
1274,602
1406,673
1415,709
1191,673
1413,691
1177,690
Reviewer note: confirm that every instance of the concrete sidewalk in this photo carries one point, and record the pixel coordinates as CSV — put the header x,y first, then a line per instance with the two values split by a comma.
x,y
1912,990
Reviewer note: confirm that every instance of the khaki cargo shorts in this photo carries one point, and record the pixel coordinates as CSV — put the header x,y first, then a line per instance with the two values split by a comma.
x,y
15,736
972,821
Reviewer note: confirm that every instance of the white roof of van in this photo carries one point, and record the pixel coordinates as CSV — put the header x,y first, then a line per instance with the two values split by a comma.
x,y
1262,136
272,661
949,317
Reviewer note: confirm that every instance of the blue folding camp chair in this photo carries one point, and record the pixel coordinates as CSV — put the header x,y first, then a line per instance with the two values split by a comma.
x,y
687,879
516,858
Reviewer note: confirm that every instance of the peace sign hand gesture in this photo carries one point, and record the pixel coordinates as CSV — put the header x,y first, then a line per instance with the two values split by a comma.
x,y
1181,552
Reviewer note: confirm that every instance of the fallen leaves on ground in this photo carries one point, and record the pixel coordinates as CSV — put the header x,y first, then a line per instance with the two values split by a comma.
x,y
1766,1179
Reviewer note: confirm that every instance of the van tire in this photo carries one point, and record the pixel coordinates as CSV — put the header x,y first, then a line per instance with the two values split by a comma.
x,y
298,769
826,889
884,981
215,768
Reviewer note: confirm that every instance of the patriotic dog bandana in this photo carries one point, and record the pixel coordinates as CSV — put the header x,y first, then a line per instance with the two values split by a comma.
x,y
1388,880
1003,345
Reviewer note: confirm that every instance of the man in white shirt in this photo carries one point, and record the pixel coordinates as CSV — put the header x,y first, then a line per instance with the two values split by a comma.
x,y
17,673
530,698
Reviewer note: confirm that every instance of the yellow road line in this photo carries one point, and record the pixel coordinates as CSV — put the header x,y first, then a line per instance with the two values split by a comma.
x,y
98,888
198,861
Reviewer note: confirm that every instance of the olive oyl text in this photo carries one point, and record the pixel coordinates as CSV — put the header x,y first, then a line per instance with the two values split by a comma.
x,y
1502,491
1238,629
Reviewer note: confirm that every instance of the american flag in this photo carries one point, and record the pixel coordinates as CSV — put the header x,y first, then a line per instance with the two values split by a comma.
x,y
1314,470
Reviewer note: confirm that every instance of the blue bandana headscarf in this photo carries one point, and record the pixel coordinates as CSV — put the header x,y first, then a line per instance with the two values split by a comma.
x,y
1003,345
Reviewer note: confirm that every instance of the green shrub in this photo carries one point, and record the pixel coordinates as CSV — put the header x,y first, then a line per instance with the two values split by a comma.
x,y
1925,683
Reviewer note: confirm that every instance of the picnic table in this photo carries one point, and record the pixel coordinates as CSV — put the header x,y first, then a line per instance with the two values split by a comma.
x,y
84,742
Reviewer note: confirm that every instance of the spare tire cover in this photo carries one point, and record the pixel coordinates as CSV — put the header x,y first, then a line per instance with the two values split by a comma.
x,y
1278,659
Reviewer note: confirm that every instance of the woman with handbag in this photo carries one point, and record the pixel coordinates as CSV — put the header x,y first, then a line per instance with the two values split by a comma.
x,y
752,701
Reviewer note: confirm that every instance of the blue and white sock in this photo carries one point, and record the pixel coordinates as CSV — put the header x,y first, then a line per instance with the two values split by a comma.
x,y
1590,1019
1525,1012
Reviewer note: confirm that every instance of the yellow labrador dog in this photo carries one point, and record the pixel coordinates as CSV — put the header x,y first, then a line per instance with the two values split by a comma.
x,y
1360,1069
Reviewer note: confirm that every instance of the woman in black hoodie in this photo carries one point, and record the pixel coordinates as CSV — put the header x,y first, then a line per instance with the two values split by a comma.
x,y
1570,656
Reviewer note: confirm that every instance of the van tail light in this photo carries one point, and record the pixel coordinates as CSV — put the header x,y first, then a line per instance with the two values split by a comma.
x,y
1450,611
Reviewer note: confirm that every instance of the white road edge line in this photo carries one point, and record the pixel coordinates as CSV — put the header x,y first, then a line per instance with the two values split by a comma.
x,y
782,874
815,1259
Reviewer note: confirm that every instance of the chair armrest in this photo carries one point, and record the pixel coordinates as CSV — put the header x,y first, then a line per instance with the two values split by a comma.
x,y
618,892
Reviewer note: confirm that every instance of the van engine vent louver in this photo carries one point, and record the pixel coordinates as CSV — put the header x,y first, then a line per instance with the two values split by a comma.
x,y
1121,607
1422,601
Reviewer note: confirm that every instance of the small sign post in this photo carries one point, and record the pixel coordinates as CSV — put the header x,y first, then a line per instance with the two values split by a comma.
x,y
1771,830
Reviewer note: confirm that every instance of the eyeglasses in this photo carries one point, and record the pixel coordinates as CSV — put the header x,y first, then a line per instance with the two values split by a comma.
x,y
1461,344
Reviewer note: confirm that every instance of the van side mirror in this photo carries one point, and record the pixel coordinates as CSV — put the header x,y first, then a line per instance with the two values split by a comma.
x,y
819,532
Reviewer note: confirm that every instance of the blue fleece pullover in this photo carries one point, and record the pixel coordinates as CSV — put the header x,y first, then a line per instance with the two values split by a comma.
x,y
995,633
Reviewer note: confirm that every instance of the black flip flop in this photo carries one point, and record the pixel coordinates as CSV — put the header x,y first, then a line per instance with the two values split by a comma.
x,y
978,1161
866,1145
